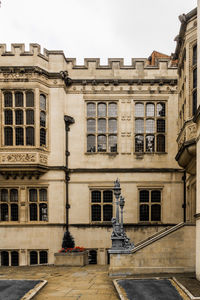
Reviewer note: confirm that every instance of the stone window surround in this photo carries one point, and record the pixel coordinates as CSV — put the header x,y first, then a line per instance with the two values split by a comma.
x,y
10,251
37,92
10,203
38,202
38,256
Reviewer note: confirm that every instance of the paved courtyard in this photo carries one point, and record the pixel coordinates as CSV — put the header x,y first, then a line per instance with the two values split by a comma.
x,y
85,283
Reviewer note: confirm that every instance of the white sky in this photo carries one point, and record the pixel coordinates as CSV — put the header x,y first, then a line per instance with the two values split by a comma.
x,y
94,28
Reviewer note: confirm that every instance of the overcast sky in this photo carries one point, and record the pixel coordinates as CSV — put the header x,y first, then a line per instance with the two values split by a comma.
x,y
94,28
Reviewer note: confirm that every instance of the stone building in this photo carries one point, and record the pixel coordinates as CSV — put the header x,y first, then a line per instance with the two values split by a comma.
x,y
68,131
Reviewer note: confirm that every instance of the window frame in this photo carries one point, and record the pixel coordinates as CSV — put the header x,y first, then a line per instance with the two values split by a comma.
x,y
38,203
10,204
101,204
38,251
150,203
194,87
145,119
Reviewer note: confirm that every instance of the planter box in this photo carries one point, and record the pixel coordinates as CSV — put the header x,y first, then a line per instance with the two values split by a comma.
x,y
71,259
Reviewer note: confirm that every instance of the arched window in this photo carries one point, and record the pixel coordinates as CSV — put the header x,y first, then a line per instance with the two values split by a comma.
x,y
150,143
112,125
33,212
4,195
101,125
139,126
43,257
19,117
19,136
29,99
33,195
29,116
150,110
43,195
91,143
139,143
112,109
112,143
42,119
33,258
96,212
42,102
101,141
91,110
161,109
42,137
8,116
14,212
150,126
14,258
139,110
8,102
8,136
19,99
91,125
4,258
30,136
4,212
13,195
160,143
101,110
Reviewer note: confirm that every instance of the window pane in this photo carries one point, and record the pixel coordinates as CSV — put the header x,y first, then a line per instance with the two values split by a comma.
x,y
194,60
13,195
107,196
155,196
4,258
149,143
155,212
19,117
4,212
14,258
160,125
91,125
19,136
101,125
150,127
29,116
8,136
33,258
112,125
160,143
194,102
194,78
19,100
8,117
101,110
144,196
42,102
96,213
91,110
33,195
139,143
150,110
43,195
14,212
4,195
112,110
96,196
29,99
42,119
33,212
43,257
107,212
139,110
30,136
8,100
139,126
42,137
112,143
101,140
161,109
144,212
43,212
91,143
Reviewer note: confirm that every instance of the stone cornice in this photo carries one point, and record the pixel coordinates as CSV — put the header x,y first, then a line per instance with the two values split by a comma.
x,y
125,170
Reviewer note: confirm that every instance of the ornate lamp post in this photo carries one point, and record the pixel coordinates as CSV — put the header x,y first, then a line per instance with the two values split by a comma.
x,y
121,203
117,192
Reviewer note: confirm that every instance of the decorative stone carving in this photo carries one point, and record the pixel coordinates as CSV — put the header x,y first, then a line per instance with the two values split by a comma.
x,y
43,159
191,132
18,157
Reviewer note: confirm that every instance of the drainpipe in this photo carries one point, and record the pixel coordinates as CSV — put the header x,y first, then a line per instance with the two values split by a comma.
x,y
184,196
68,121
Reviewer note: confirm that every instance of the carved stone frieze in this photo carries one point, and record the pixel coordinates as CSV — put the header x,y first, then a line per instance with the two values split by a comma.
x,y
43,159
18,157
191,131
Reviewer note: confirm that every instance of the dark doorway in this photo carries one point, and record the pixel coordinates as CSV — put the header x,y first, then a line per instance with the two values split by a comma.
x,y
108,257
14,258
4,258
92,258
33,258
